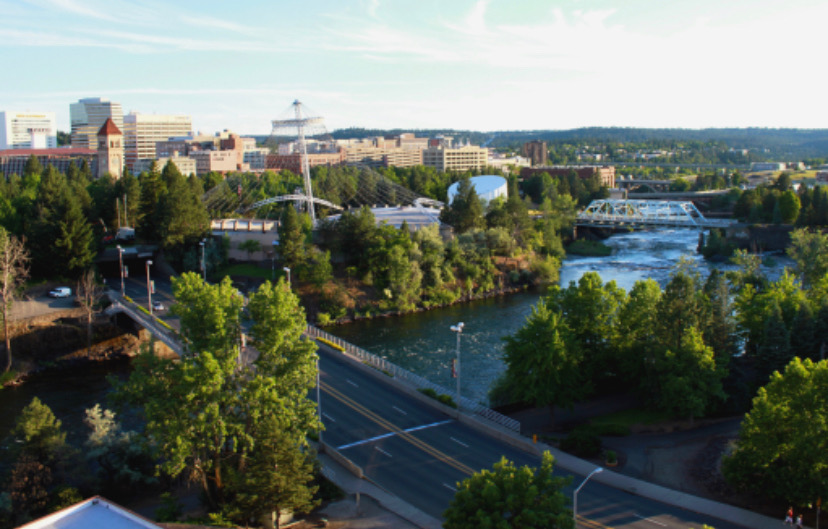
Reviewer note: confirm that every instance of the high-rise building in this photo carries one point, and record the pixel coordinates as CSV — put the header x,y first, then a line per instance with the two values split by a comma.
x,y
27,130
537,151
88,115
143,131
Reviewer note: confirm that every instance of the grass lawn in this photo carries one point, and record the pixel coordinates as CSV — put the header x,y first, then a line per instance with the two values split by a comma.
x,y
249,270
631,417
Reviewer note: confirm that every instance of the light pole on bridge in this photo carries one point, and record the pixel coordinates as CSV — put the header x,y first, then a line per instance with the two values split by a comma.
x,y
459,330
149,287
575,495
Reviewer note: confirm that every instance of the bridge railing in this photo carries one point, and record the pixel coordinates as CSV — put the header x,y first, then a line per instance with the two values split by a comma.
x,y
411,379
167,337
663,221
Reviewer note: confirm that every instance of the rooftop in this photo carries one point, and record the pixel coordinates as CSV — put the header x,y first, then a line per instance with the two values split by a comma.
x,y
93,513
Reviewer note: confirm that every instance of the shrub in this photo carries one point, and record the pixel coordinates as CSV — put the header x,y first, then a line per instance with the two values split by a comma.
x,y
428,392
447,400
610,456
331,344
582,442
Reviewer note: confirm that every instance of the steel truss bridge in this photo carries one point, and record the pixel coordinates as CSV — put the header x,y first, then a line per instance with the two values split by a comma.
x,y
610,213
293,198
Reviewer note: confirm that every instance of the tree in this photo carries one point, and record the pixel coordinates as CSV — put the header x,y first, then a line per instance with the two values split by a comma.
x,y
183,218
213,413
291,239
633,339
789,206
73,246
780,453
689,377
466,210
14,269
508,496
542,367
250,246
40,431
810,251
88,294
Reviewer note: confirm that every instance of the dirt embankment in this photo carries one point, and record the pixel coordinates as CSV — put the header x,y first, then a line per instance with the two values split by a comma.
x,y
61,340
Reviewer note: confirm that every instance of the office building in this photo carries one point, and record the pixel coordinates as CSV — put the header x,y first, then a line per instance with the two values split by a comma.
x,y
537,151
87,116
13,161
143,131
27,130
443,158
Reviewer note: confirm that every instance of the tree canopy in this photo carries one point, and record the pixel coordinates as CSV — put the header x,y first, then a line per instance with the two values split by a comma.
x,y
509,496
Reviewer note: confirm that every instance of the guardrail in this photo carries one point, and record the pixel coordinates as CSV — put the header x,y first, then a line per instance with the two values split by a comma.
x,y
411,379
153,325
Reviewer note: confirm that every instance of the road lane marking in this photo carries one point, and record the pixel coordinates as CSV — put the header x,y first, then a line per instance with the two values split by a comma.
x,y
425,447
649,520
399,410
328,417
381,451
383,436
461,443
446,485
351,382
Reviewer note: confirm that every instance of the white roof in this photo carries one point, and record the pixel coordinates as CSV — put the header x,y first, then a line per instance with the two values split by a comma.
x,y
94,513
482,184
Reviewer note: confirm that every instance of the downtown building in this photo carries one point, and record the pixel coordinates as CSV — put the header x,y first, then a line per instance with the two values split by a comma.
x,y
143,131
87,116
446,158
27,130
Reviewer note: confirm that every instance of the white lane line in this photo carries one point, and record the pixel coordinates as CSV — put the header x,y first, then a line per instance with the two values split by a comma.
x,y
383,436
399,410
364,441
328,417
351,382
461,443
446,485
381,451
649,520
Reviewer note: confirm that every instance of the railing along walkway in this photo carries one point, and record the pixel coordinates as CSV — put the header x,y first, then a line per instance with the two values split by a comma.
x,y
409,378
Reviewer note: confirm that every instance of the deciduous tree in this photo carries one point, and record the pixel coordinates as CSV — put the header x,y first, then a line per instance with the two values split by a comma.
x,y
780,453
507,497
14,269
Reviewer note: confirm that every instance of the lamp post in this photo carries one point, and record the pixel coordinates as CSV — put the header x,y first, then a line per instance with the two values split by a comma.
x,y
459,330
203,261
149,287
287,270
273,266
575,494
121,265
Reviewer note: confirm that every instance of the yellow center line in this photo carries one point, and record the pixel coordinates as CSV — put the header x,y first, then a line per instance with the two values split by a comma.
x,y
422,445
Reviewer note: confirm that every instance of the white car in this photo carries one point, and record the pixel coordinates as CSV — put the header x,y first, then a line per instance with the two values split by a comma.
x,y
157,306
60,292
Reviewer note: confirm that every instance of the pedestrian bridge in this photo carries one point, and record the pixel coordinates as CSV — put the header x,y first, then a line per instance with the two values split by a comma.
x,y
609,213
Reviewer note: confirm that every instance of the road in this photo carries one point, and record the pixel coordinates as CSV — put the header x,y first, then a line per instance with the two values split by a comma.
x,y
419,454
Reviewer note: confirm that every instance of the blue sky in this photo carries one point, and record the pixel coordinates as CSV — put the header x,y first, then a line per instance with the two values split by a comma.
x,y
464,64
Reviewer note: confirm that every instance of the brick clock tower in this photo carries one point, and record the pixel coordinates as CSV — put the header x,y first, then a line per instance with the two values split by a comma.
x,y
110,150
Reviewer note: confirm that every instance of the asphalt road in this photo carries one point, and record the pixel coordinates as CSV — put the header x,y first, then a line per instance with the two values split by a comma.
x,y
420,454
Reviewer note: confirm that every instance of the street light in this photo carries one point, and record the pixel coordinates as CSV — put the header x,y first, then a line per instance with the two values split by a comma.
x,y
149,287
121,265
203,261
459,330
575,494
286,269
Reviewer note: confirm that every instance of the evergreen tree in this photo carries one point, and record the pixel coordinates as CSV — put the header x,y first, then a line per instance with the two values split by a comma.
x,y
775,349
148,225
466,210
291,239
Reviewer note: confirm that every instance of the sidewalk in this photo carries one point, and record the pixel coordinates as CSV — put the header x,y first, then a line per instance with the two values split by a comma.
x,y
349,483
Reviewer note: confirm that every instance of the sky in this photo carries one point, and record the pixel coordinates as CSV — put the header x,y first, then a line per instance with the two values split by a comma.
x,y
461,64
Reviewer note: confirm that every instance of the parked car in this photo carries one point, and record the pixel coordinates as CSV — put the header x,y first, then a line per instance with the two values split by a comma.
x,y
157,306
60,292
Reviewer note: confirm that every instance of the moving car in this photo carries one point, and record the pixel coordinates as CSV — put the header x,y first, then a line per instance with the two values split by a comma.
x,y
60,292
157,306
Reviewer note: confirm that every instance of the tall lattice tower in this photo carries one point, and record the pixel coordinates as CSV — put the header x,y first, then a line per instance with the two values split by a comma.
x,y
301,127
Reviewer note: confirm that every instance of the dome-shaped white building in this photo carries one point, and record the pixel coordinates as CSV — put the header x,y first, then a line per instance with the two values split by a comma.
x,y
488,187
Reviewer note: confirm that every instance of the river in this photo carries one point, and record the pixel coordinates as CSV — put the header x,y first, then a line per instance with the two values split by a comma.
x,y
421,342
424,343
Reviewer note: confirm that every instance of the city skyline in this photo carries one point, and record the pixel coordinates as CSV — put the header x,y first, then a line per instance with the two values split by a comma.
x,y
478,65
